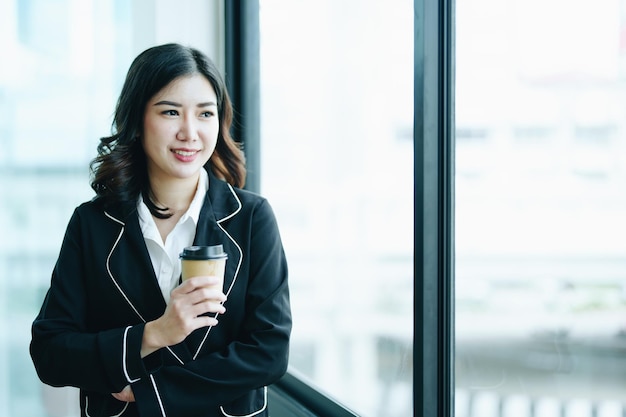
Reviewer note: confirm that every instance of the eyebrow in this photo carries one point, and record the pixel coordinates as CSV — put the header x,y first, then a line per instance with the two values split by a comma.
x,y
174,104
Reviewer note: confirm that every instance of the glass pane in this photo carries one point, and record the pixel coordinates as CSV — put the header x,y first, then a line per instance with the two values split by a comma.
x,y
337,166
540,203
62,66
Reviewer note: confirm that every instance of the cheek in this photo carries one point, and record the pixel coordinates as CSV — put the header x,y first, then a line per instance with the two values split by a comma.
x,y
148,125
147,138
152,139
210,135
155,129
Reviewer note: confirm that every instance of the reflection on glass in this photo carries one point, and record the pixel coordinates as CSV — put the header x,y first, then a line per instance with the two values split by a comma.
x,y
540,203
337,166
56,96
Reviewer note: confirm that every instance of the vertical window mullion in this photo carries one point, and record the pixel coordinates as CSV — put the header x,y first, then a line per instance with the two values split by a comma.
x,y
434,183
242,76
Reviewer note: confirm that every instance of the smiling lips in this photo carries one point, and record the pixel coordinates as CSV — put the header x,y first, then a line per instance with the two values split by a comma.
x,y
185,155
184,152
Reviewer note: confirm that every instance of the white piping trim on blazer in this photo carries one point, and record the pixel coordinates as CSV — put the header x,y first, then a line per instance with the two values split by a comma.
x,y
116,415
130,381
156,391
117,285
238,265
253,414
109,268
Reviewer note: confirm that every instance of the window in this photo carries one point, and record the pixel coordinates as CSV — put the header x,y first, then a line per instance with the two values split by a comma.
x,y
540,259
64,62
336,106
337,167
57,94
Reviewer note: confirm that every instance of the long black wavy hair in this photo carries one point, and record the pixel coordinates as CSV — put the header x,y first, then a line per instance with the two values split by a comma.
x,y
119,172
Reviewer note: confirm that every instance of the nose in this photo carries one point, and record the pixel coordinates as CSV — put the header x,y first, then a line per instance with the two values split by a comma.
x,y
187,130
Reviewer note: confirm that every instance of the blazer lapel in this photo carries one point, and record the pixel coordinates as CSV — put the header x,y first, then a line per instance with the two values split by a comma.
x,y
220,204
131,269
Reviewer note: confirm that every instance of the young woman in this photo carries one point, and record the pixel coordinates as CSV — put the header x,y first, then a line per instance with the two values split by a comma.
x,y
117,322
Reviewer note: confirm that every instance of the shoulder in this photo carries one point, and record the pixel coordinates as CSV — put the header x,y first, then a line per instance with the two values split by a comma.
x,y
87,209
254,203
249,207
85,217
249,197
94,211
259,211
228,199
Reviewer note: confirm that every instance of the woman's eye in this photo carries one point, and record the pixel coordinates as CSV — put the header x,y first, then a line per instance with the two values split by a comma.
x,y
170,112
207,114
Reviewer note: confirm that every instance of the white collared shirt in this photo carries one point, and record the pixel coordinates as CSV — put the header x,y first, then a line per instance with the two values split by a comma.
x,y
165,255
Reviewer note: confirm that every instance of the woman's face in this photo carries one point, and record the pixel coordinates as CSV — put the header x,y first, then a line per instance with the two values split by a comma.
x,y
180,128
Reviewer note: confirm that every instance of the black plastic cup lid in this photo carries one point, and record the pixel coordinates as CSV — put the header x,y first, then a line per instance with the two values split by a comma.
x,y
204,252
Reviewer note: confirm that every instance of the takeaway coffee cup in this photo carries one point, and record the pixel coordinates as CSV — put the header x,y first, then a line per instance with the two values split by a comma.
x,y
204,260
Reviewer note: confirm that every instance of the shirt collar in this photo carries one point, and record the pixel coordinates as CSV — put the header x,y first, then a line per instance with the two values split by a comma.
x,y
193,212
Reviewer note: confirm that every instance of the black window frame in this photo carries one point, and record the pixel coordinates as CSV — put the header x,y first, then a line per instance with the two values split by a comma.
x,y
242,77
433,138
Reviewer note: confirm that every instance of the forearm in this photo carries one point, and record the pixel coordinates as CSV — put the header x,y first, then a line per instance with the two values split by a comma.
x,y
212,380
89,361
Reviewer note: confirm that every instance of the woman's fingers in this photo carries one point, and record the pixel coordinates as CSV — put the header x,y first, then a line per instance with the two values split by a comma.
x,y
126,395
200,301
187,309
199,290
208,306
194,283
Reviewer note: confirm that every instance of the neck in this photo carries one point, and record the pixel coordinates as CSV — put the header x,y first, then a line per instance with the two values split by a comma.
x,y
175,194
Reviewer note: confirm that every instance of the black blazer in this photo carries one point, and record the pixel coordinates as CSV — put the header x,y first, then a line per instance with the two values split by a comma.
x,y
103,290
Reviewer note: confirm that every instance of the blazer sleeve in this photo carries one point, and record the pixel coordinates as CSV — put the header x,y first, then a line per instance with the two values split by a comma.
x,y
258,356
64,350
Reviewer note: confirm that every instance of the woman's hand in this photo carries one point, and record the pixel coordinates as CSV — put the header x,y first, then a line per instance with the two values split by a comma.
x,y
126,395
183,314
